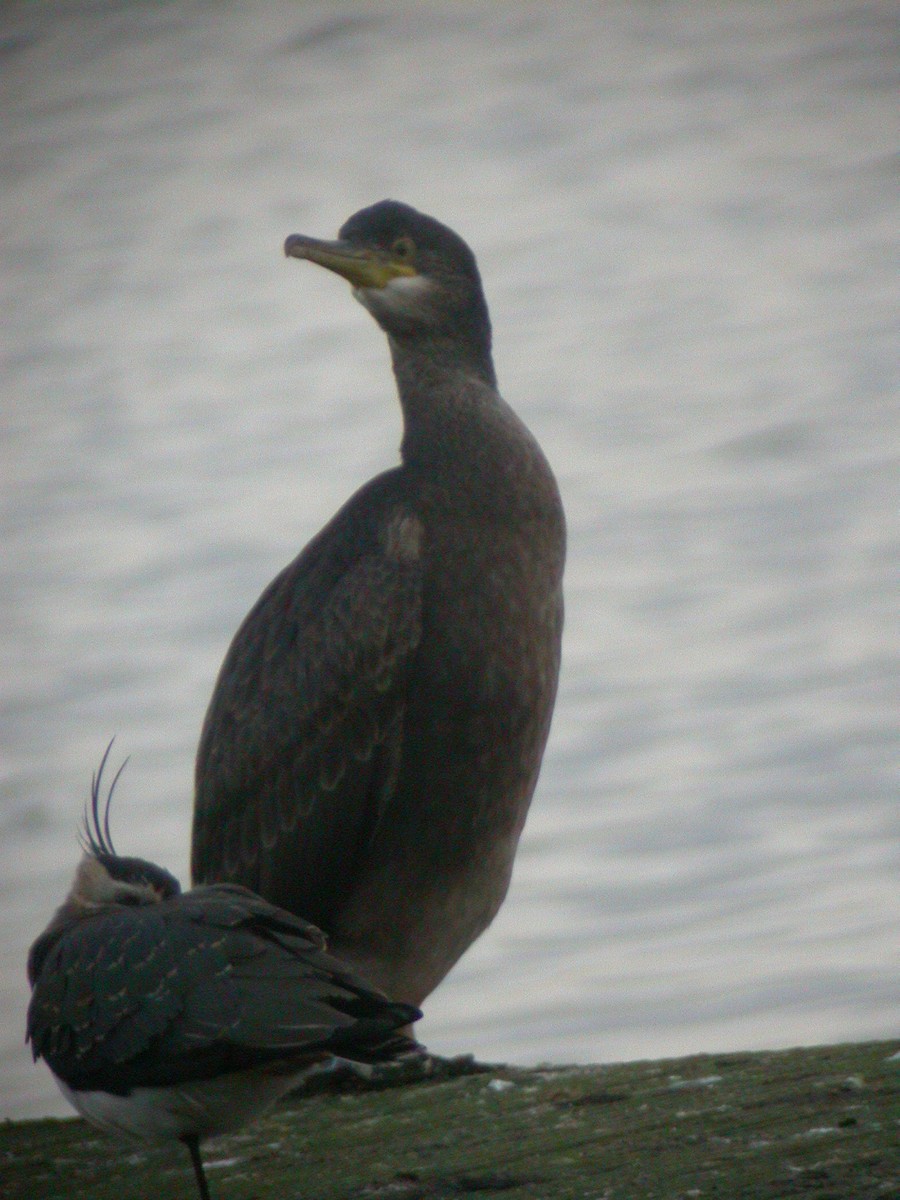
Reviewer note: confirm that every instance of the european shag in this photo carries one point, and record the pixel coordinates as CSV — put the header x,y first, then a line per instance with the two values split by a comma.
x,y
377,727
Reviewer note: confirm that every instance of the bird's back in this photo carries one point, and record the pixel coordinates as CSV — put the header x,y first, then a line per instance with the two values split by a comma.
x,y
212,982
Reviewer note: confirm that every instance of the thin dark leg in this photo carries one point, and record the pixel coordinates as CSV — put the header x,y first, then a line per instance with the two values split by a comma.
x,y
193,1144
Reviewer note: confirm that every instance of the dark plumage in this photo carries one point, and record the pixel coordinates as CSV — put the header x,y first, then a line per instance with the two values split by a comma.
x,y
177,1016
377,727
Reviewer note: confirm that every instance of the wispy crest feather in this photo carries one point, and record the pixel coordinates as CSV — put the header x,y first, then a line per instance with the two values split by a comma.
x,y
95,836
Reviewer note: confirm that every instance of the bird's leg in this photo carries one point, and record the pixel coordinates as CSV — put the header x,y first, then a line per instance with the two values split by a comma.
x,y
193,1144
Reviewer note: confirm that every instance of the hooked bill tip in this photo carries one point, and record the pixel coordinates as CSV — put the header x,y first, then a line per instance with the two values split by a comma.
x,y
295,245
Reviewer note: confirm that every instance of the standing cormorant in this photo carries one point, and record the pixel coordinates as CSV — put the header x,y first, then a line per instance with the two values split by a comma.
x,y
377,727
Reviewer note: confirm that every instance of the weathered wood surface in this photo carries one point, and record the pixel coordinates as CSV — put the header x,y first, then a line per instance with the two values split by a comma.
x,y
819,1123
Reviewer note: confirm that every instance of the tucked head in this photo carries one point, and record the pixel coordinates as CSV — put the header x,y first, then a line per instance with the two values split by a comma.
x,y
417,277
103,880
104,877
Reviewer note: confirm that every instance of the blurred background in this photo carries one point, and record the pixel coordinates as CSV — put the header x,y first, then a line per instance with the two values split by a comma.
x,y
685,216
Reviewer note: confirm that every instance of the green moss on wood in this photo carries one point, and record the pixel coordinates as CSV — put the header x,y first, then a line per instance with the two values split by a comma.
x,y
816,1124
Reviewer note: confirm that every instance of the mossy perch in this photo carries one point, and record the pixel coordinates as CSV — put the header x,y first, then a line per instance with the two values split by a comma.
x,y
819,1123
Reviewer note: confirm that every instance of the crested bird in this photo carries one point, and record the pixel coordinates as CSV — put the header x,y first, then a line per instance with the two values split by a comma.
x,y
168,1015
377,727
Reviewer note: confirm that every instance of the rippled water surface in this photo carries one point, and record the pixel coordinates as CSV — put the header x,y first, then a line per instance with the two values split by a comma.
x,y
685,216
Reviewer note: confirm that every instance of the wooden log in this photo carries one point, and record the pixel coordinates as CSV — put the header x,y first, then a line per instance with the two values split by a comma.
x,y
819,1123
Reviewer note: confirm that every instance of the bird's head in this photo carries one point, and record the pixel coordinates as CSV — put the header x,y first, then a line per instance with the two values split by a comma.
x,y
105,878
416,277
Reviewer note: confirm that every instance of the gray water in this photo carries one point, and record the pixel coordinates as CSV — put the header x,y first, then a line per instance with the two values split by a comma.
x,y
686,219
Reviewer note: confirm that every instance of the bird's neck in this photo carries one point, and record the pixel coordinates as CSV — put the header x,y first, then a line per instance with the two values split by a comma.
x,y
440,389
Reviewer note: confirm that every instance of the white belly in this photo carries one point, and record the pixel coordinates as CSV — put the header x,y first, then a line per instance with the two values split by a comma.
x,y
204,1108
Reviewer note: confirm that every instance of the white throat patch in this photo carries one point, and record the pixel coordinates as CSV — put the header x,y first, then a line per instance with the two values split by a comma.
x,y
404,295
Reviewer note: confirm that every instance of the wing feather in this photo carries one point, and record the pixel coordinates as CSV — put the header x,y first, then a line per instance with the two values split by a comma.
x,y
211,981
299,748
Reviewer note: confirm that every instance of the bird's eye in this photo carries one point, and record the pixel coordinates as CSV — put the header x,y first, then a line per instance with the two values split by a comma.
x,y
130,898
403,248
